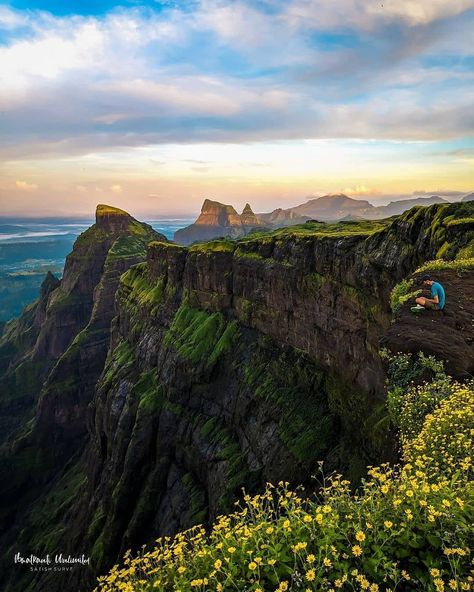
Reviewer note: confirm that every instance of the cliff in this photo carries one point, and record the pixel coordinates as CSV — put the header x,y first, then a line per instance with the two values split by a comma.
x,y
49,381
218,220
231,363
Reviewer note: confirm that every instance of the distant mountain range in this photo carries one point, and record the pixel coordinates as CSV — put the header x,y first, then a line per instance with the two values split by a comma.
x,y
334,207
217,219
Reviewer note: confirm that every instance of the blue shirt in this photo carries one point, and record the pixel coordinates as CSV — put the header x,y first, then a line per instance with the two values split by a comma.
x,y
438,290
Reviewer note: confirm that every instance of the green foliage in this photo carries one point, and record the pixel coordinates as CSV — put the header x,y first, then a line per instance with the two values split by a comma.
x,y
407,528
408,409
401,293
444,438
321,229
466,252
200,336
441,265
404,369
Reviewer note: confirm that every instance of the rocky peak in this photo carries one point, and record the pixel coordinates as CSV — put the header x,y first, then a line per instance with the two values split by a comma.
x,y
112,219
214,213
50,283
248,217
70,306
218,219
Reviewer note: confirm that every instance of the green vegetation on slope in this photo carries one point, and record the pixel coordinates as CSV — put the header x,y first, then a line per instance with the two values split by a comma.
x,y
401,293
407,528
200,336
321,229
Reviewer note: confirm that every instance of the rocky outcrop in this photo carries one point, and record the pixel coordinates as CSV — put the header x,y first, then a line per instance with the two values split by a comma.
x,y
448,334
230,363
218,220
59,369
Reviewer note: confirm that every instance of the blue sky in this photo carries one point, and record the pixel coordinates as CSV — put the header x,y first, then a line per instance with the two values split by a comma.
x,y
93,93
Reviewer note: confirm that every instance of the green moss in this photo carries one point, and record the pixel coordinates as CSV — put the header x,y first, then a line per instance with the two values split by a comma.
x,y
127,246
197,500
228,450
314,282
47,521
461,222
141,289
322,229
295,383
445,247
199,336
61,299
118,362
150,393
240,253
246,309
169,245
214,246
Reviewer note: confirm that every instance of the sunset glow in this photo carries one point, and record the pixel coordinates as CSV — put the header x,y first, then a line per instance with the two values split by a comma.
x,y
154,106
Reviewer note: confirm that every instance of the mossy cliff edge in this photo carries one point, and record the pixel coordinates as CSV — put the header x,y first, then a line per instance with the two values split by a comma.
x,y
50,360
232,364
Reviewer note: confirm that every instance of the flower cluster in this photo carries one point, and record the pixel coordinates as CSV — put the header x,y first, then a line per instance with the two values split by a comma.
x,y
406,528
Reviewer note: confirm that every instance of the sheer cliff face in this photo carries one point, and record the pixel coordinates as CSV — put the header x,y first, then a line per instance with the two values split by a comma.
x,y
230,364
51,378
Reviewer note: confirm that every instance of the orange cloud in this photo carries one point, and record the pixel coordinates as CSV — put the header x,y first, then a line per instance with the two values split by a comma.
x,y
25,186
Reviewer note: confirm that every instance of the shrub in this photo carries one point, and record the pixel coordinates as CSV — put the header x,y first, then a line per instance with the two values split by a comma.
x,y
406,529
441,264
401,293
404,369
445,440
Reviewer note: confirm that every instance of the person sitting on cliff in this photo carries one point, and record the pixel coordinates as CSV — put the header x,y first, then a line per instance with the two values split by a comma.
x,y
438,296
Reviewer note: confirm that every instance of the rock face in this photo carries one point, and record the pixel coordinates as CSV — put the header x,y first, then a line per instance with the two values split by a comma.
x,y
18,383
230,363
51,379
217,219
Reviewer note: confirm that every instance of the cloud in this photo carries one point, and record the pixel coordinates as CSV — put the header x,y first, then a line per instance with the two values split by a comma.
x,y
233,72
116,188
25,186
366,14
443,192
360,190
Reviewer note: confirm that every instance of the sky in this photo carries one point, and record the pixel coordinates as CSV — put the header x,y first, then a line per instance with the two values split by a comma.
x,y
154,106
